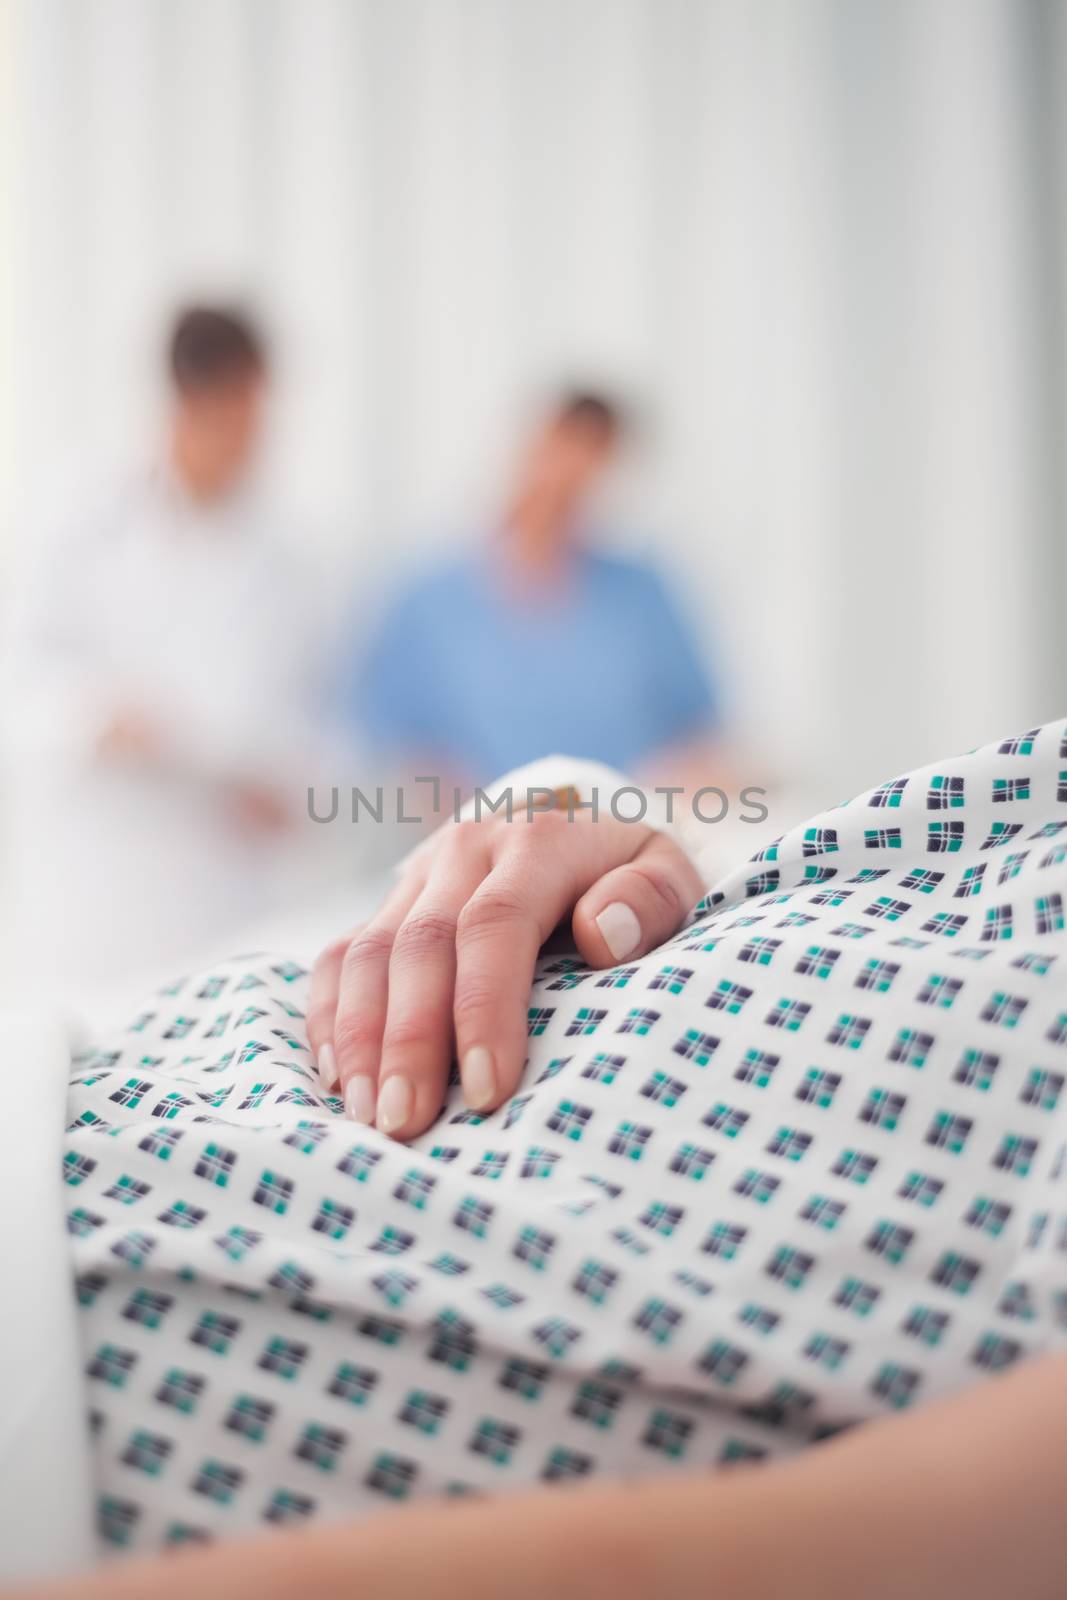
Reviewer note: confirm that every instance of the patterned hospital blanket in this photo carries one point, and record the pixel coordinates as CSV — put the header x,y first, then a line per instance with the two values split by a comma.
x,y
799,1167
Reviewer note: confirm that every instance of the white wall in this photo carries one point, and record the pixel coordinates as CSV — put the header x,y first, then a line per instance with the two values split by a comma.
x,y
823,239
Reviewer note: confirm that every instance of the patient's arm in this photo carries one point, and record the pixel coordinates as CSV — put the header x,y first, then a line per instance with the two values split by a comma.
x,y
960,1501
450,954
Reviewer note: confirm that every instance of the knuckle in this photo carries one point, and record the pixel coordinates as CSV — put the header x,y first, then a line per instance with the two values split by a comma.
x,y
546,836
423,932
475,995
331,957
355,1032
370,945
333,954
406,1035
544,826
474,839
664,891
467,834
490,910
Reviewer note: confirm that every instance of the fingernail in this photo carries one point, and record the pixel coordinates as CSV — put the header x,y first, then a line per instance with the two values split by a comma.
x,y
620,929
395,1104
479,1077
359,1100
326,1067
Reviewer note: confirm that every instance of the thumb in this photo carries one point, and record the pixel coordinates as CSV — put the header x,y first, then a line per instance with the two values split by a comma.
x,y
634,908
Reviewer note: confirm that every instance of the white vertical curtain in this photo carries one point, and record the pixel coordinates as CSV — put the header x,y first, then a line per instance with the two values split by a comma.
x,y
823,243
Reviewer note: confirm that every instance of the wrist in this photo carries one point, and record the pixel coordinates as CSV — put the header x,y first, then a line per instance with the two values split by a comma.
x,y
580,785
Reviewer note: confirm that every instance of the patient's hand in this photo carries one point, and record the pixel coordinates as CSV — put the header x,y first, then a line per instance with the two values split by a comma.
x,y
450,955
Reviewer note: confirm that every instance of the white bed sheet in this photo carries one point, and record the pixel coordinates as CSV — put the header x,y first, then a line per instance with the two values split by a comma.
x,y
46,1524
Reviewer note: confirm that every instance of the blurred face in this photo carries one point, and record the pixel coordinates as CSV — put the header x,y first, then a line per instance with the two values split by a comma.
x,y
216,430
567,460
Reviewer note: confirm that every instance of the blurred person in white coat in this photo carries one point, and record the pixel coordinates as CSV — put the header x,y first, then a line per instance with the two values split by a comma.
x,y
161,680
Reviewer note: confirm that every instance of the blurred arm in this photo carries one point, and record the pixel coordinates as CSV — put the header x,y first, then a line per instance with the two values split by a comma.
x,y
962,1499
693,750
59,699
694,762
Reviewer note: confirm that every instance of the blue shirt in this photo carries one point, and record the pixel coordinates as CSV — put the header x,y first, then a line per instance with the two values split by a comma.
x,y
466,669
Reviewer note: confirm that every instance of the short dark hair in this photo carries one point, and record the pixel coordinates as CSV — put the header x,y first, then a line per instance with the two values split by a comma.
x,y
211,345
591,408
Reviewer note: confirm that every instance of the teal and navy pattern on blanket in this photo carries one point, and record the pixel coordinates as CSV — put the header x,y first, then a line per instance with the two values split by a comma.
x,y
800,1167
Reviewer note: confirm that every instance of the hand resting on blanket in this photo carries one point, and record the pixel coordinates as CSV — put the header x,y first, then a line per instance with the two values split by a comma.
x,y
447,961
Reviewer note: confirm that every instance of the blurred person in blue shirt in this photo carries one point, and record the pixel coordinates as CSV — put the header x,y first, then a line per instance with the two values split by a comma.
x,y
535,641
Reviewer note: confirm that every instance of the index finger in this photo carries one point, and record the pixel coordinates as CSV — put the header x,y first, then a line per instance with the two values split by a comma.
x,y
500,932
